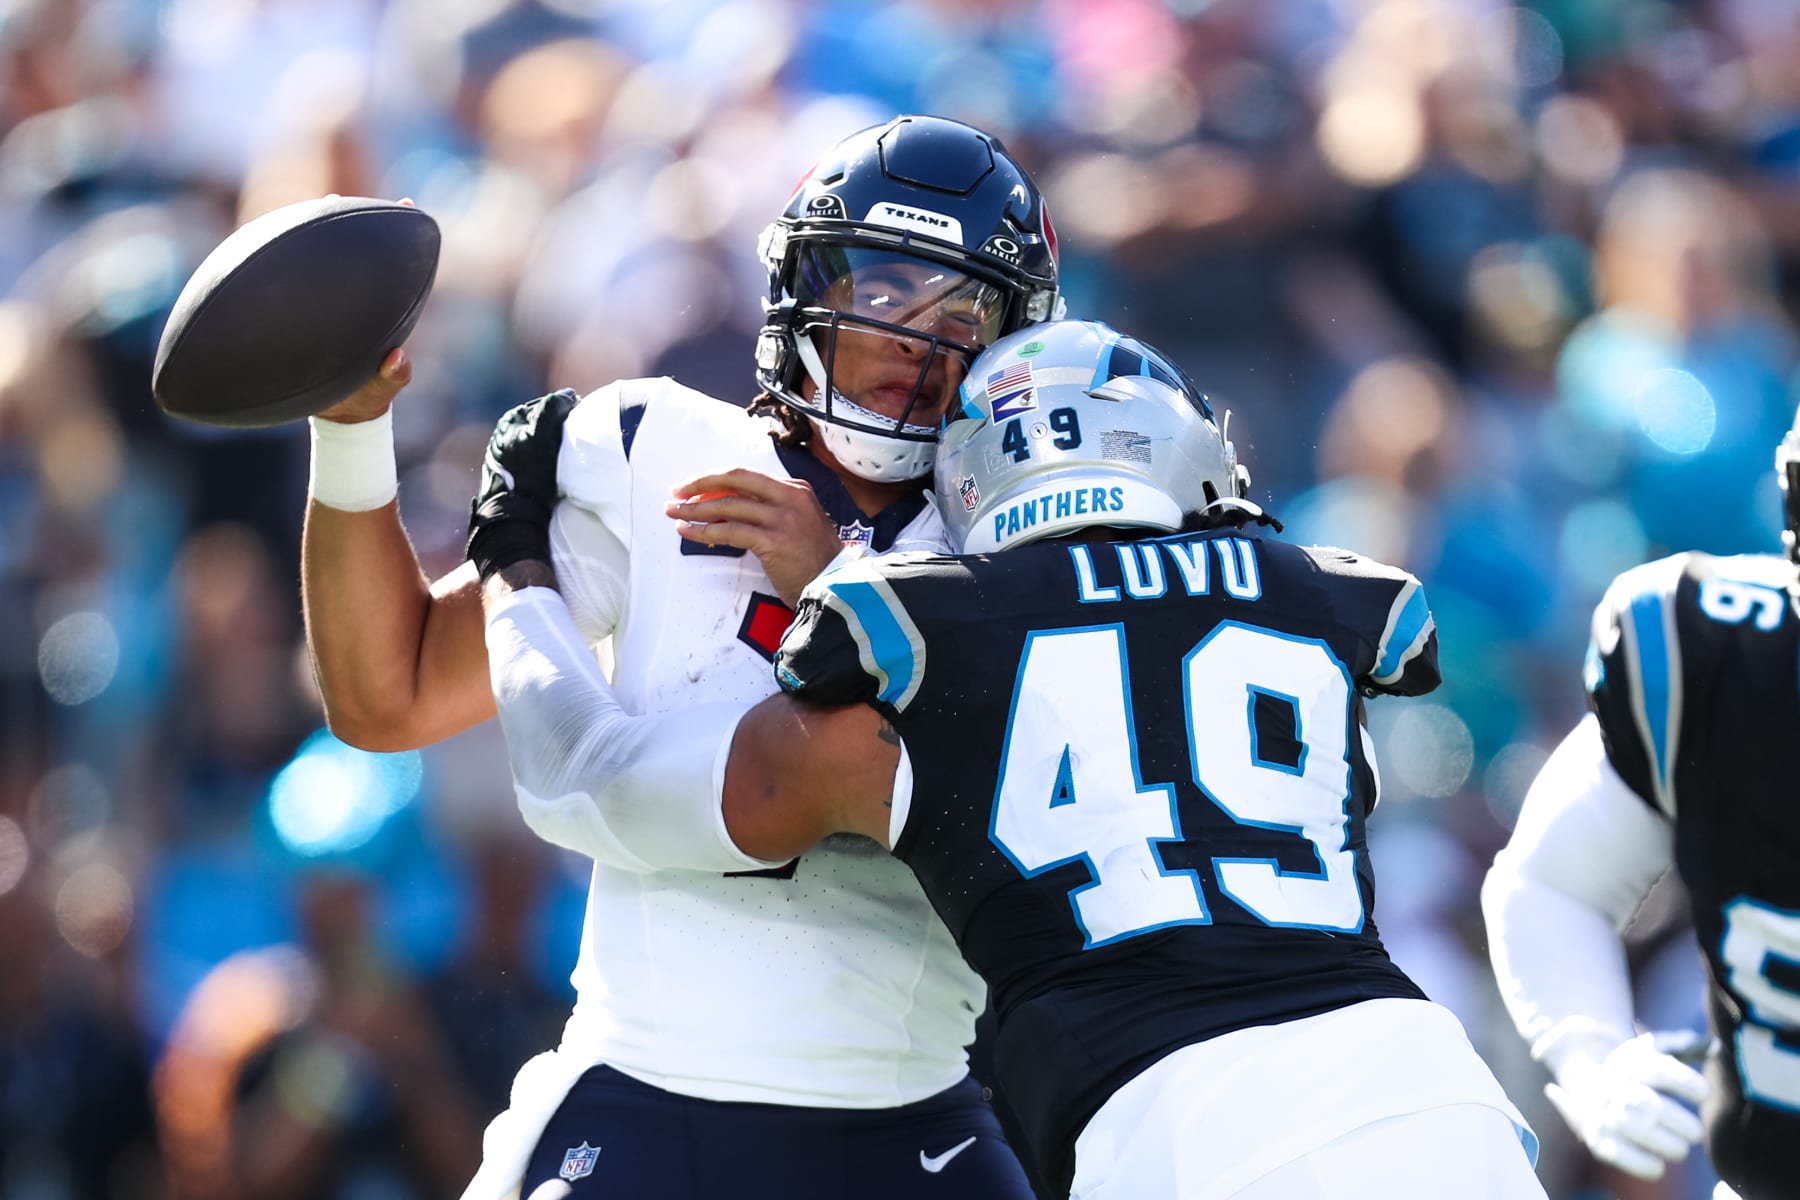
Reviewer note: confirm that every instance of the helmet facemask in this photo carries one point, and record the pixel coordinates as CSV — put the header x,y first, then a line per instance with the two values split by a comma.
x,y
902,253
881,340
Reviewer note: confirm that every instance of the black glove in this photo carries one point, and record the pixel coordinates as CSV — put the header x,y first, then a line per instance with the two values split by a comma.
x,y
509,521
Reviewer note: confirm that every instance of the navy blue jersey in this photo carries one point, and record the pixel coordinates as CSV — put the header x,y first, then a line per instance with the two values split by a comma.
x,y
1694,676
1140,782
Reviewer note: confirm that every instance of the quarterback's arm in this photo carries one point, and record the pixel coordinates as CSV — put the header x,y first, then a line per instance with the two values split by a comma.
x,y
399,659
636,792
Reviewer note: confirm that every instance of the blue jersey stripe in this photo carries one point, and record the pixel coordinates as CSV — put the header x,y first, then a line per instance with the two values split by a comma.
x,y
888,643
1653,679
1407,627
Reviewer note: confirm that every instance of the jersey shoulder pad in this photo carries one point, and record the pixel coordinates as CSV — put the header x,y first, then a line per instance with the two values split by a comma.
x,y
1773,571
1385,605
591,469
656,431
1335,560
1635,673
852,638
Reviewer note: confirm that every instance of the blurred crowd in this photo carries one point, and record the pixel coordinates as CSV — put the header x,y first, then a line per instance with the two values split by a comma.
x,y
1505,293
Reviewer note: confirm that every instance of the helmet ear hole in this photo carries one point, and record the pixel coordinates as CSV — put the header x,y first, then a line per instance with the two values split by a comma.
x,y
1210,492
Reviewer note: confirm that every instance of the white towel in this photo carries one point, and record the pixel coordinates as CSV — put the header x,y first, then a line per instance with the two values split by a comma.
x,y
538,1091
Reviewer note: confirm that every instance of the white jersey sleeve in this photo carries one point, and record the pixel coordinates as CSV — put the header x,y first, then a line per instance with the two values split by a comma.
x,y
593,468
1585,853
637,793
593,569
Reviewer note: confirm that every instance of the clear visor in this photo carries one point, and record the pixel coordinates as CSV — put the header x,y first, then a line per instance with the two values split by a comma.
x,y
901,291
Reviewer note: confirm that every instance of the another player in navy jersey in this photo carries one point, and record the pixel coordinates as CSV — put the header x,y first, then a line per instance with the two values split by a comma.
x,y
1120,741
1693,678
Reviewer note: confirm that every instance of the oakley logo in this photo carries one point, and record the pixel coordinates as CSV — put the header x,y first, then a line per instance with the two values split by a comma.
x,y
1004,247
899,216
936,1163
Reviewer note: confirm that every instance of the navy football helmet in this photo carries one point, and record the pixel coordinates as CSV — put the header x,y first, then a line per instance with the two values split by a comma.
x,y
923,232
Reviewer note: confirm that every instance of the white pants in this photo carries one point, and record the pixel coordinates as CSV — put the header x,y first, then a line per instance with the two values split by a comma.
x,y
1468,1151
1382,1099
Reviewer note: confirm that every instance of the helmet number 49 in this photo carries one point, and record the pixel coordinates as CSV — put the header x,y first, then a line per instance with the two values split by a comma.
x,y
1064,421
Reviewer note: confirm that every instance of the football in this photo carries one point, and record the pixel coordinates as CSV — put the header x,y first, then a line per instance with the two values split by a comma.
x,y
294,311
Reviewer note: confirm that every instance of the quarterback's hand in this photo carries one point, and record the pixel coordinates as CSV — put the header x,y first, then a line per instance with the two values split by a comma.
x,y
1618,1102
376,396
778,520
510,518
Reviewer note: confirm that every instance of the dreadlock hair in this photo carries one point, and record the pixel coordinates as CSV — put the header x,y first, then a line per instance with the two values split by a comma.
x,y
796,432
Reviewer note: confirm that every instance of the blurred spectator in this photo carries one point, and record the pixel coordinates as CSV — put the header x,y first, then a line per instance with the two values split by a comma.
x,y
1684,373
315,1070
74,1066
490,998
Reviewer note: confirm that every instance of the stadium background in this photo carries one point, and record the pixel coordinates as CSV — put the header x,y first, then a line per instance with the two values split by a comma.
x,y
1502,293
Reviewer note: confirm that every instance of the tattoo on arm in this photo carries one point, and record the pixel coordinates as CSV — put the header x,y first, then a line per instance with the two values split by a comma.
x,y
891,736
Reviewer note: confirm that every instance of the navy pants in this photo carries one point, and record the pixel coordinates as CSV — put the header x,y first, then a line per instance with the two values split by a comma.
x,y
617,1137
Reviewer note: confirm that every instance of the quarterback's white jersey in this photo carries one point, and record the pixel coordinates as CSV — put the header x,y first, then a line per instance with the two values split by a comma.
x,y
829,983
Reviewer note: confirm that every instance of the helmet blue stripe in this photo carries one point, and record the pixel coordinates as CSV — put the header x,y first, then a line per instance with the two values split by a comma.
x,y
969,408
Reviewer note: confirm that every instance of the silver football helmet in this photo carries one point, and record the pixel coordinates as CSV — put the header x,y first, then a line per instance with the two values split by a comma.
x,y
1071,424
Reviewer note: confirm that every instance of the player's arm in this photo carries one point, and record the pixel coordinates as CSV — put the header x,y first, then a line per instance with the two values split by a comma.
x,y
1584,854
399,660
823,757
1406,654
798,772
1386,607
636,792
707,787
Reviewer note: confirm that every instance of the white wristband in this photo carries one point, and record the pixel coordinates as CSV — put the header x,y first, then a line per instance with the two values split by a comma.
x,y
353,465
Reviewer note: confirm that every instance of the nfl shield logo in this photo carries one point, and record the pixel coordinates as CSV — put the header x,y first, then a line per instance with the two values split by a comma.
x,y
579,1161
971,495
